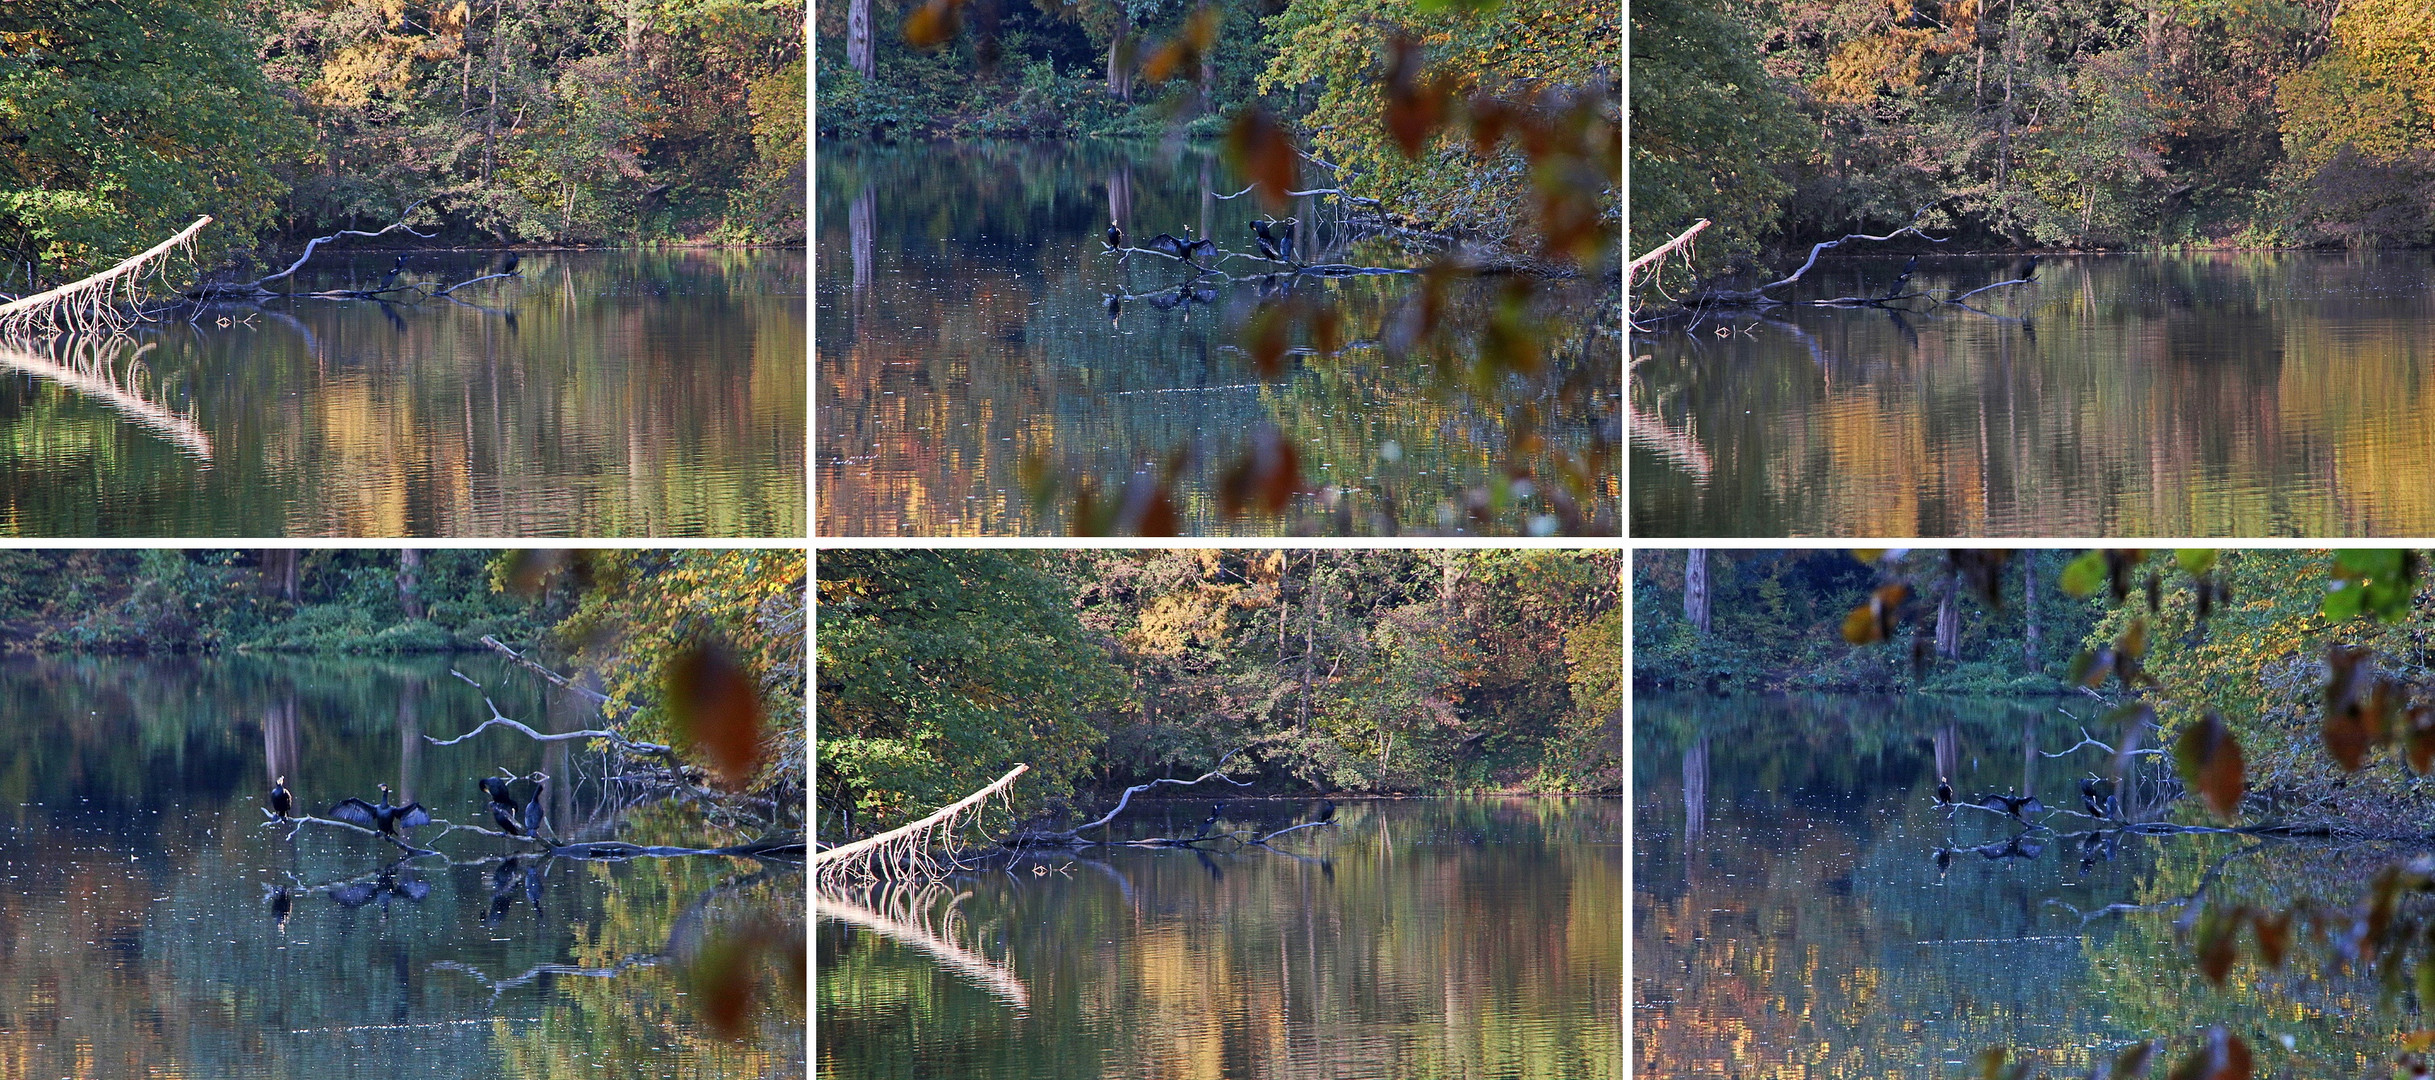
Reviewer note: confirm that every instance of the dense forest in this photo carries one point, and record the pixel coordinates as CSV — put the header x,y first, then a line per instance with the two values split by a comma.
x,y
1327,68
1733,621
480,121
2050,124
618,618
1385,671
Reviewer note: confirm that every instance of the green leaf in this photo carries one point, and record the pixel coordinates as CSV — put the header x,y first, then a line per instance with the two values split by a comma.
x,y
2085,574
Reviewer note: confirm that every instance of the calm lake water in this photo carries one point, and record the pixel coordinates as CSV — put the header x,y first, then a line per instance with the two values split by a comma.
x,y
1790,917
606,394
2210,394
969,364
1441,938
140,936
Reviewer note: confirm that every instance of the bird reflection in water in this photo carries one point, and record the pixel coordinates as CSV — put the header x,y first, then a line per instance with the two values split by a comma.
x,y
381,889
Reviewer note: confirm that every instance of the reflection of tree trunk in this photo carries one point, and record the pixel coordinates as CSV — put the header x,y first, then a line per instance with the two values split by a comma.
x,y
1695,801
279,738
862,227
410,582
858,38
409,736
2029,753
1695,588
1208,196
1948,751
1120,197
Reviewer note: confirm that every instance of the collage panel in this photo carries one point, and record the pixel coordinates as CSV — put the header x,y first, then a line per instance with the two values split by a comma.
x,y
434,813
369,268
2110,269
1247,813
1238,268
2031,812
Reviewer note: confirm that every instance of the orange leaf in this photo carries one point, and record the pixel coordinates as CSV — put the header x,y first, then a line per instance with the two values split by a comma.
x,y
1260,148
715,709
2210,761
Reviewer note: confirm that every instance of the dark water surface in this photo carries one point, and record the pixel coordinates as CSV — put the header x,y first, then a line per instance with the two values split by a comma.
x,y
1790,917
969,363
139,935
1444,938
606,394
2208,394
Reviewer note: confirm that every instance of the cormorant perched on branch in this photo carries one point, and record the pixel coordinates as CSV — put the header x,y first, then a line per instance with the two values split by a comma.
x,y
1327,810
394,271
502,804
383,818
536,816
1165,245
2092,796
514,259
1266,241
281,801
1214,811
1944,792
2016,805
1115,236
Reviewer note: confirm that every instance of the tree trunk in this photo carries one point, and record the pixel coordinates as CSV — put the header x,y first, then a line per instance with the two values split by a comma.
x,y
858,38
410,582
1949,619
1695,588
1310,639
2029,608
1120,63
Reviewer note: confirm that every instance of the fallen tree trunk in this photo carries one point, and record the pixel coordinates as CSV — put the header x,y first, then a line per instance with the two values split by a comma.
x,y
101,303
909,846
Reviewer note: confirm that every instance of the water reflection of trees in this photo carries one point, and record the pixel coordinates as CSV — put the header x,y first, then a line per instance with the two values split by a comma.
x,y
1402,955
2273,385
629,395
140,934
995,288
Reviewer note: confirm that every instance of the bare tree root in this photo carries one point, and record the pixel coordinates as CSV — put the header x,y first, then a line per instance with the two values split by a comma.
x,y
103,303
907,849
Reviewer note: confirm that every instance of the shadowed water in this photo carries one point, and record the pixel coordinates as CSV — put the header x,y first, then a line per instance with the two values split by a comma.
x,y
2208,394
1792,918
984,361
1460,939
141,933
606,394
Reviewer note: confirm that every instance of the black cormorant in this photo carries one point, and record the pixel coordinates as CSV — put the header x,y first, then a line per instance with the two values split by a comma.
x,y
2019,806
1267,241
1944,792
536,816
382,818
502,805
281,801
1327,810
1165,245
513,260
1115,236
394,271
2092,796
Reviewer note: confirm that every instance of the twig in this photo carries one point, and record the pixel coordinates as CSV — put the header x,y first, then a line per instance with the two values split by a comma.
x,y
498,718
530,665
